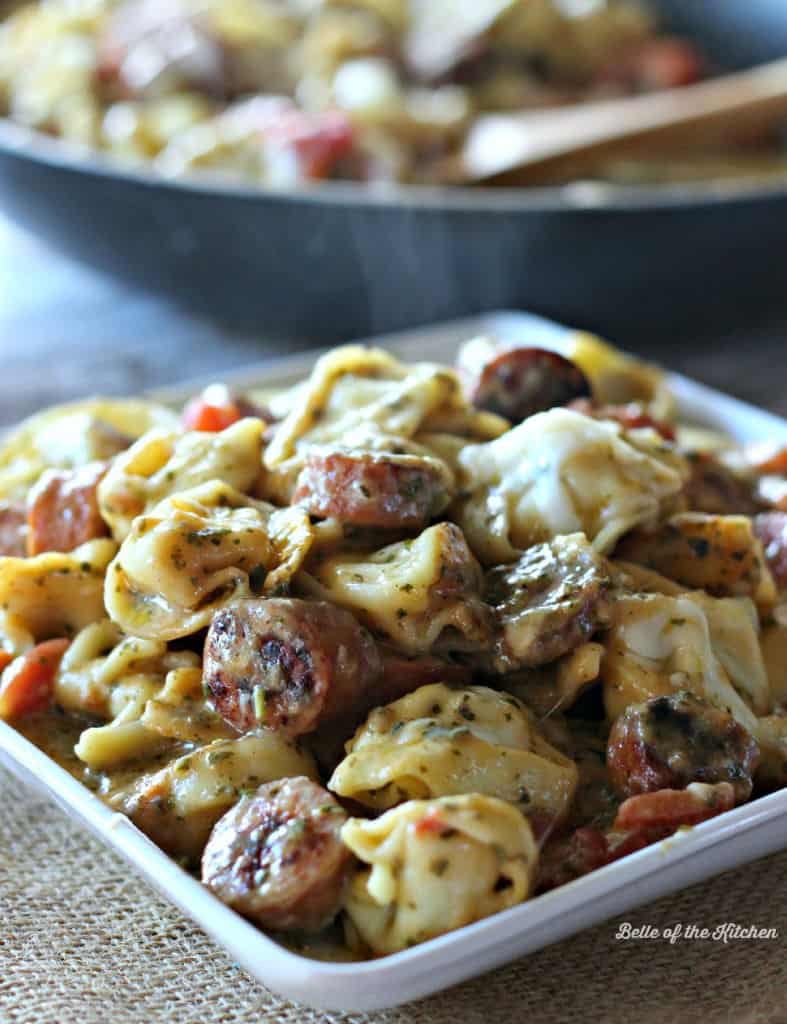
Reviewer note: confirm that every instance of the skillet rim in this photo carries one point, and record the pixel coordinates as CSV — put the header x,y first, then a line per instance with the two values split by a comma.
x,y
19,141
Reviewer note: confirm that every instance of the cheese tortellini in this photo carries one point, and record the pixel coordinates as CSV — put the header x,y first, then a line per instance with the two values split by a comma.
x,y
438,742
354,389
111,676
73,435
56,594
102,667
560,472
162,463
658,645
436,865
198,551
420,594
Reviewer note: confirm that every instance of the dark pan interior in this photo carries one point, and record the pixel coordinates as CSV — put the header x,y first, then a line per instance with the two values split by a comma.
x,y
336,262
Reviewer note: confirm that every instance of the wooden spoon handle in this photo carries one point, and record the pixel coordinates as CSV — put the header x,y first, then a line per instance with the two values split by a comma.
x,y
541,143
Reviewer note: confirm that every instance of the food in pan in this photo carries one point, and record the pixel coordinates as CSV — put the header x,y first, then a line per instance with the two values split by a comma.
x,y
376,661
285,91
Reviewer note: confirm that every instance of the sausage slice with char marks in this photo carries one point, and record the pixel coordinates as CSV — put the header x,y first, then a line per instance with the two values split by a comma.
x,y
62,509
520,382
288,664
277,856
371,489
713,488
670,742
548,603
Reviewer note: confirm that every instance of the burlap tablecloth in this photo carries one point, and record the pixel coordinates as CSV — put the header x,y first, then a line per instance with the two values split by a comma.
x,y
85,941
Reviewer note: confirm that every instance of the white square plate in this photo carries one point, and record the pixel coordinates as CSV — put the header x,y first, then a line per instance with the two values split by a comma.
x,y
745,833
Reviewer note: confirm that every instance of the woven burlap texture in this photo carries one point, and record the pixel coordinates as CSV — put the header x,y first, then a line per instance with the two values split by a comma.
x,y
85,941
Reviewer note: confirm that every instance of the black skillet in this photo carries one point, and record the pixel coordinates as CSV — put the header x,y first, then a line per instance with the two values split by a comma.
x,y
338,261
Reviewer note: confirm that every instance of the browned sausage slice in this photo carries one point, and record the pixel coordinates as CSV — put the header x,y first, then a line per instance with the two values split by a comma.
x,y
291,665
13,530
715,489
670,742
370,489
523,381
277,856
548,603
402,675
62,509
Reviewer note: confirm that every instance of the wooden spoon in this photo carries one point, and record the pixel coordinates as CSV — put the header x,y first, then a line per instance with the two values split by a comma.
x,y
548,144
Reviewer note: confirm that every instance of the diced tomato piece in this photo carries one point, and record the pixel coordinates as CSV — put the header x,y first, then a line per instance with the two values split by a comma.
x,y
212,411
319,141
668,64
431,823
27,681
26,684
621,844
768,457
218,408
673,808
199,415
589,849
641,820
13,531
665,63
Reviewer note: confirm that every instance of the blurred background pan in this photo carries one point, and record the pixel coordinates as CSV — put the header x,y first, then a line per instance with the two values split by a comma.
x,y
337,261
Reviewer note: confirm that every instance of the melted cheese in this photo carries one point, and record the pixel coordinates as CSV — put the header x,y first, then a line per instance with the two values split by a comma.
x,y
561,472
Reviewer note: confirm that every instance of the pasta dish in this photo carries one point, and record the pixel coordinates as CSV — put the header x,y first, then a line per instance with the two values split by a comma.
x,y
404,645
285,92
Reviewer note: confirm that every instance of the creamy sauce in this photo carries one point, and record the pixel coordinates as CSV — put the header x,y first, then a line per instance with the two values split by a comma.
x,y
56,732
